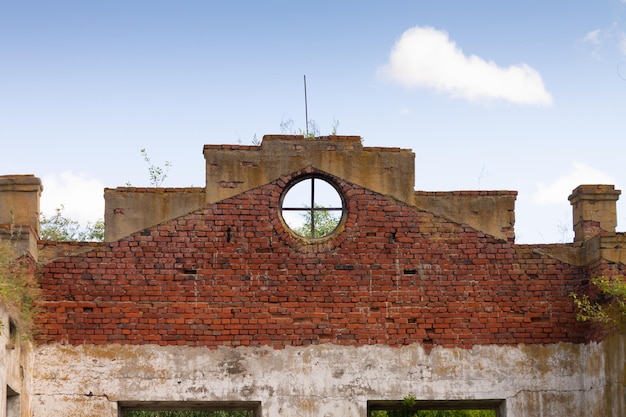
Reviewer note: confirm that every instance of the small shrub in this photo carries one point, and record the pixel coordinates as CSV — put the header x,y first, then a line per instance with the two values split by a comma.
x,y
19,290
611,312
61,228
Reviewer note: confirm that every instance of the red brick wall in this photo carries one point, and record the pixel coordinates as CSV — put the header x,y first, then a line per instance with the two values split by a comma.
x,y
229,274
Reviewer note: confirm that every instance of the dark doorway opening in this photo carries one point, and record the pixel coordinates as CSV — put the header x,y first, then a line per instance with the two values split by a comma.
x,y
417,408
190,409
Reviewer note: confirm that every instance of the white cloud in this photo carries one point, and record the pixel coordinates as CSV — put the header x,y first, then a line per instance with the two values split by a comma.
x,y
426,57
596,38
593,37
81,196
612,37
622,43
558,191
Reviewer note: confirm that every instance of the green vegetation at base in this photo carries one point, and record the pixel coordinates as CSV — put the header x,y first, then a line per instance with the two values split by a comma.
x,y
169,413
409,405
433,413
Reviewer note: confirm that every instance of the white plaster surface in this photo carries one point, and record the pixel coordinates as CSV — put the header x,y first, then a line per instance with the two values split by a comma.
x,y
15,372
324,380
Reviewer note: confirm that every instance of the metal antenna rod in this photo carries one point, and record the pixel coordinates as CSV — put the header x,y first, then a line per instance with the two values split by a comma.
x,y
306,109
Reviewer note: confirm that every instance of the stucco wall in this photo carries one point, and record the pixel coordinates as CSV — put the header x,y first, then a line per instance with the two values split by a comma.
x,y
233,169
129,209
15,372
19,200
492,212
324,380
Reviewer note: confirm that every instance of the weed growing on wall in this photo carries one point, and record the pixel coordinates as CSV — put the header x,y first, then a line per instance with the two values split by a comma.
x,y
157,173
611,312
311,132
19,290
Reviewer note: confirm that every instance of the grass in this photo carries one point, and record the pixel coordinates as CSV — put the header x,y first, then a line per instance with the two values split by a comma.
x,y
19,289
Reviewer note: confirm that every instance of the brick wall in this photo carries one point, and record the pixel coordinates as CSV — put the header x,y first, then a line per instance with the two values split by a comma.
x,y
230,274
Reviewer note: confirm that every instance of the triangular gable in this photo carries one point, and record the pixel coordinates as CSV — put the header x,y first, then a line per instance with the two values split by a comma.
x,y
231,273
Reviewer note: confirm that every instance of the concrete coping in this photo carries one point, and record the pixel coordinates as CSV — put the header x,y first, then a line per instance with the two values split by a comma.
x,y
271,140
23,182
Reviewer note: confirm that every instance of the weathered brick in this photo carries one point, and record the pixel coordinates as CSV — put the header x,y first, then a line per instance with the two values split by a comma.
x,y
394,275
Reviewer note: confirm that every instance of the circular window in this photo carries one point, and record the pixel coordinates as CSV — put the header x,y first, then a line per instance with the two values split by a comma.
x,y
312,207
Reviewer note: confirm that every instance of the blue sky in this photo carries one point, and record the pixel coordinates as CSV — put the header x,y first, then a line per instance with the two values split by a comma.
x,y
527,96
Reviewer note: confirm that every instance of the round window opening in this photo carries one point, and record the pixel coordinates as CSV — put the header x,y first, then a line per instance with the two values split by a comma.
x,y
312,207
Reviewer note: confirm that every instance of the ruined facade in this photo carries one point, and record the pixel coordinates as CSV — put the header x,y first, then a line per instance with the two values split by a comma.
x,y
208,298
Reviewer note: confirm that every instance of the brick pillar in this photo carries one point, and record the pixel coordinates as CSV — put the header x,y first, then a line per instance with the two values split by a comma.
x,y
594,208
19,201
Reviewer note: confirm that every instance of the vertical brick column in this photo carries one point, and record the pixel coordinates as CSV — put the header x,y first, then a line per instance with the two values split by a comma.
x,y
594,210
19,200
19,212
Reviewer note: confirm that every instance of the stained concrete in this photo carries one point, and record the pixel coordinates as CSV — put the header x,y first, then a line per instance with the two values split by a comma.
x,y
322,380
15,372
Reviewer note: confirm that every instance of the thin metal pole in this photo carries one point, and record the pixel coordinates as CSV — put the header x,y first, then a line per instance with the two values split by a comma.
x,y
313,208
306,109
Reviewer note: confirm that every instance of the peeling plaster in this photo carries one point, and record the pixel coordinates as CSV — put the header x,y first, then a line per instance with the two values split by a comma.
x,y
325,380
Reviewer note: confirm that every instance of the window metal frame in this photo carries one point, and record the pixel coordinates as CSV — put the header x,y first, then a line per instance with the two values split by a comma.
x,y
254,406
497,405
312,209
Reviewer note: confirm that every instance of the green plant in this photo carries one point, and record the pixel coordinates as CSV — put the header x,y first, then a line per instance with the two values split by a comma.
x,y
433,413
157,174
408,401
61,228
408,409
320,224
334,126
286,126
311,132
215,413
19,290
611,313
